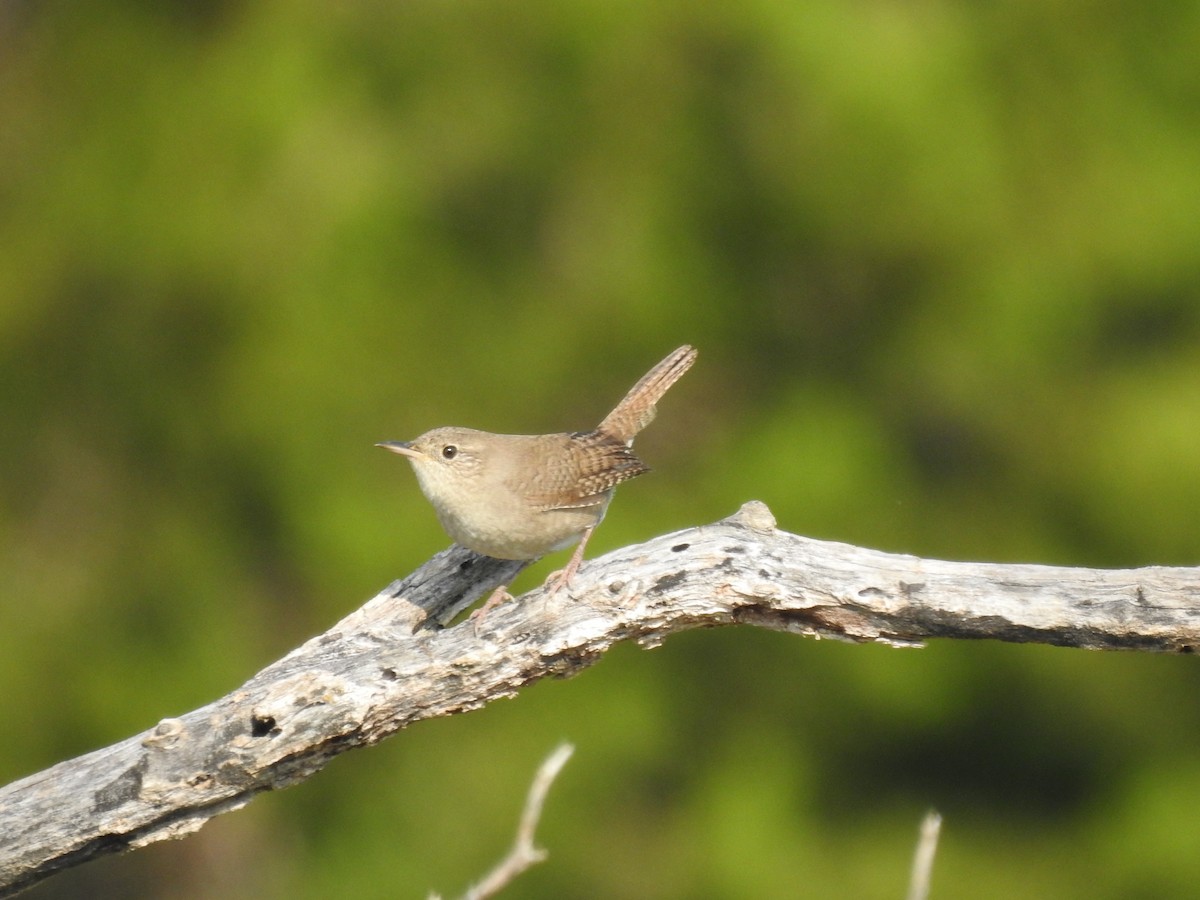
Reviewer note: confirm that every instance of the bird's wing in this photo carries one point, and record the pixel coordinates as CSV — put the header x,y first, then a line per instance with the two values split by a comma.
x,y
582,474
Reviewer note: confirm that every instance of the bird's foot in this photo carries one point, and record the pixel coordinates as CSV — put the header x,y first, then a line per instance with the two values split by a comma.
x,y
557,581
499,595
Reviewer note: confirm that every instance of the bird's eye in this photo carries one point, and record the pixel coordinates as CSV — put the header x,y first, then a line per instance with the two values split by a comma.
x,y
449,451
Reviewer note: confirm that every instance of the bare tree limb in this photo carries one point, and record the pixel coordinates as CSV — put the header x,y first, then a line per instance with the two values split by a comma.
x,y
922,867
372,674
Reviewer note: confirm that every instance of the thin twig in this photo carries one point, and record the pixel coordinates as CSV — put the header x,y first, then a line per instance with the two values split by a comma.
x,y
922,868
523,853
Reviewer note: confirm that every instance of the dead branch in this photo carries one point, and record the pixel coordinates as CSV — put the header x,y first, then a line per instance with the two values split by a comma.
x,y
386,666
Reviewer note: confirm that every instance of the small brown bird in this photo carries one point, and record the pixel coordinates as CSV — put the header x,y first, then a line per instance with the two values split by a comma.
x,y
521,496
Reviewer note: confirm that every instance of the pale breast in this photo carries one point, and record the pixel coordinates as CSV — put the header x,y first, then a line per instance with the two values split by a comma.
x,y
520,533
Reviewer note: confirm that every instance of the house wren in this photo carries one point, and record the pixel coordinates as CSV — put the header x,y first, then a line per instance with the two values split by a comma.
x,y
521,496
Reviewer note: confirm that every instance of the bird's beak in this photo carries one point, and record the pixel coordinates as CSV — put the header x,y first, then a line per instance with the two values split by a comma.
x,y
404,448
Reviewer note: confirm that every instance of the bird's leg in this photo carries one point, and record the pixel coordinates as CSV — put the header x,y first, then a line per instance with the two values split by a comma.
x,y
498,596
555,582
559,580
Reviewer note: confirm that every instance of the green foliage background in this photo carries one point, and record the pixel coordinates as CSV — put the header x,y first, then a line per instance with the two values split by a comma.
x,y
941,260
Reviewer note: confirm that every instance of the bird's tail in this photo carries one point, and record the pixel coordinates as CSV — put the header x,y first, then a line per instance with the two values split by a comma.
x,y
637,410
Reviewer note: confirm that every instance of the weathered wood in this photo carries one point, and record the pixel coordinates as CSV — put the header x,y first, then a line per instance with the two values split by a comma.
x,y
381,668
